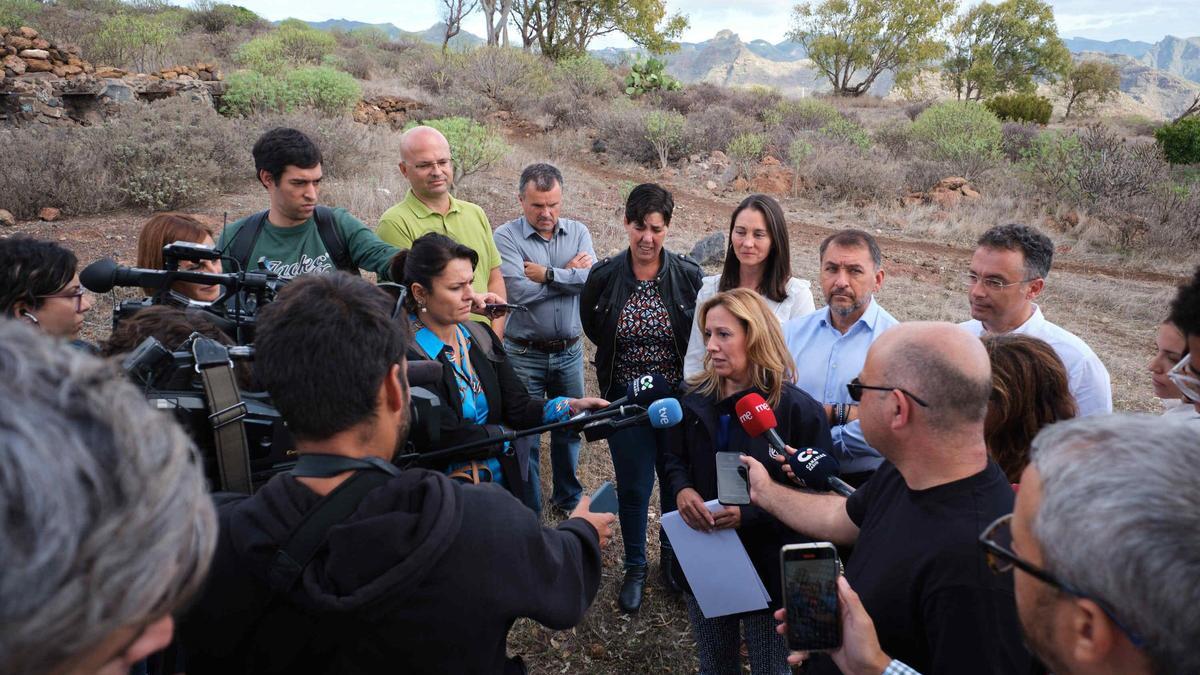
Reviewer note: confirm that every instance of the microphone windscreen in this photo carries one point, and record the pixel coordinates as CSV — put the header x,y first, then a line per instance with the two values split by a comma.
x,y
755,416
422,373
813,468
99,276
664,413
648,389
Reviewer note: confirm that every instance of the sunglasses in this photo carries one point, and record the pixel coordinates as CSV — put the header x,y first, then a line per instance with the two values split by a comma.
x,y
996,541
856,389
1188,385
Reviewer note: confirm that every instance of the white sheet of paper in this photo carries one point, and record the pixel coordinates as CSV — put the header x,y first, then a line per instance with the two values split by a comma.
x,y
717,567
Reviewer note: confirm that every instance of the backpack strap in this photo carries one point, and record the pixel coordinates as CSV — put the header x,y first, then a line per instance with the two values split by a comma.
x,y
242,245
481,336
331,236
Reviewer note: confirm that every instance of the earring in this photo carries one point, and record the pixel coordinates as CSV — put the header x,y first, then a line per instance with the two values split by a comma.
x,y
424,308
29,315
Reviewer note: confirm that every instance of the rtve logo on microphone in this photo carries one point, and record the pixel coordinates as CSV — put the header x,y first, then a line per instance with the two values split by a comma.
x,y
663,418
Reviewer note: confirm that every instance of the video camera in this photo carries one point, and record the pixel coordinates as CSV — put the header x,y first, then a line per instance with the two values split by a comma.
x,y
242,294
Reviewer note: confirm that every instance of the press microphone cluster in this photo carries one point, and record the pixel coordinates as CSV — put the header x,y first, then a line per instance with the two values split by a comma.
x,y
813,468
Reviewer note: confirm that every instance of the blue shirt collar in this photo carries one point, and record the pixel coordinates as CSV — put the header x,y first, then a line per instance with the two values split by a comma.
x,y
431,344
527,230
869,317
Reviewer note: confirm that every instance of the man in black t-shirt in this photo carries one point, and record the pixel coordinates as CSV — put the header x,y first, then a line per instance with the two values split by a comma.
x,y
923,579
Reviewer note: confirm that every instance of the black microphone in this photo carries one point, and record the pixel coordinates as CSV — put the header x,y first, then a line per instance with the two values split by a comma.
x,y
102,275
813,469
661,414
644,390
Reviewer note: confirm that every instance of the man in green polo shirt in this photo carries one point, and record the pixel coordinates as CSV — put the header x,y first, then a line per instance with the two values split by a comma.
x,y
428,207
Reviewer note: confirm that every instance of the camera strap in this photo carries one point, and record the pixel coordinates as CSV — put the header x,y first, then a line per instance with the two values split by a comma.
x,y
226,412
309,535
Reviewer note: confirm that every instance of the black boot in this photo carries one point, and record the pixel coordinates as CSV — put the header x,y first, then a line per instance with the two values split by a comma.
x,y
630,598
666,566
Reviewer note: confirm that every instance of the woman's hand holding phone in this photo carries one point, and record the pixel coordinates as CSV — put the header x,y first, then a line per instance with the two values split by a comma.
x,y
860,653
693,511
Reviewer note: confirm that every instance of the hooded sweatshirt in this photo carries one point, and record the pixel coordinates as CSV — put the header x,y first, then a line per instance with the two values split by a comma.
x,y
426,576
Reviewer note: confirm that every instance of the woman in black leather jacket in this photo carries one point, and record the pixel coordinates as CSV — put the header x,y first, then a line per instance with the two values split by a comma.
x,y
637,308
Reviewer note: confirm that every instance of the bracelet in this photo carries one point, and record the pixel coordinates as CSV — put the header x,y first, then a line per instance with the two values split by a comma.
x,y
842,412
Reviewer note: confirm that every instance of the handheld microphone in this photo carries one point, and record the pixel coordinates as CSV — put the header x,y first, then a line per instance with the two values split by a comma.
x,y
644,390
813,469
661,414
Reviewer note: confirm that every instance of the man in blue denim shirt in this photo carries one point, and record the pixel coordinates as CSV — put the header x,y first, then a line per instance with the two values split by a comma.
x,y
545,262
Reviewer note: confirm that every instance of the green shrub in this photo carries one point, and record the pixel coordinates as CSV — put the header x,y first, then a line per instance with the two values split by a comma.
x,y
646,75
806,113
17,13
622,127
894,136
664,131
1180,142
712,128
507,77
294,43
132,41
473,146
965,136
1095,167
746,150
798,153
1021,107
584,76
843,130
216,18
324,89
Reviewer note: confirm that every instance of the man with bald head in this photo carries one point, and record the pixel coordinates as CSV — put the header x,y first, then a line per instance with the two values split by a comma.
x,y
923,394
426,162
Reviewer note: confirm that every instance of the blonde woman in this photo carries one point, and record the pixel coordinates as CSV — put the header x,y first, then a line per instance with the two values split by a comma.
x,y
745,353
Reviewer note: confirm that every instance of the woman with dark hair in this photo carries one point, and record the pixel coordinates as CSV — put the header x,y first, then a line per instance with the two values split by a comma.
x,y
1170,347
478,383
168,228
1029,391
746,354
637,308
39,285
758,258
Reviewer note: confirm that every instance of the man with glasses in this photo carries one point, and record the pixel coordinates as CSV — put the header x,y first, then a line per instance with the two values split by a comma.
x,y
1185,313
1008,272
829,346
1106,567
426,162
923,395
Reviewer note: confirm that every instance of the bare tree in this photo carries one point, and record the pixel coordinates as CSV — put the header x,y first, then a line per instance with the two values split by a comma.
x,y
495,14
1191,110
453,12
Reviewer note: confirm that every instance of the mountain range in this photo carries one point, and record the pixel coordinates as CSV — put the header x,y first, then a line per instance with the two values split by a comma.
x,y
1160,78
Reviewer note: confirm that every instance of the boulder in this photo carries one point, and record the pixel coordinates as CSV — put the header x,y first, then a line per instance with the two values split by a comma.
x,y
7,219
27,33
34,54
109,72
38,66
41,44
49,214
943,198
17,42
15,64
951,183
710,250
772,179
969,192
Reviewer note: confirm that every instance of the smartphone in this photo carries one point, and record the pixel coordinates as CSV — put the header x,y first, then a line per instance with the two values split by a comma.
x,y
733,484
498,309
810,596
604,499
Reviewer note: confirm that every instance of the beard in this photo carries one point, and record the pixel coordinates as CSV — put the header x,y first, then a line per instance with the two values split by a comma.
x,y
846,310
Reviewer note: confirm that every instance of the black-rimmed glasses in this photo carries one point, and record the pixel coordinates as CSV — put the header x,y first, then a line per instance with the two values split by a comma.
x,y
856,389
996,541
400,291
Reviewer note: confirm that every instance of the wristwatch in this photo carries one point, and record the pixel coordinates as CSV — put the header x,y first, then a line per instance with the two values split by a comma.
x,y
549,275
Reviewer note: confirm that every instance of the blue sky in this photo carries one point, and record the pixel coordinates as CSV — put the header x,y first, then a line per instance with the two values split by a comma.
x,y
1148,21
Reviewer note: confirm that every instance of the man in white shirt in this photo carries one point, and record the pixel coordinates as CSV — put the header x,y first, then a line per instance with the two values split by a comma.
x,y
1008,272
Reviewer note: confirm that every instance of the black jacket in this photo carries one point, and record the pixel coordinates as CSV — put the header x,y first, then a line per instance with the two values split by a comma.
x,y
426,576
609,285
690,460
509,402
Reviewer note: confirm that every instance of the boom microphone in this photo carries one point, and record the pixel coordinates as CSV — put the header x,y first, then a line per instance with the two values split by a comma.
x,y
102,275
813,468
645,390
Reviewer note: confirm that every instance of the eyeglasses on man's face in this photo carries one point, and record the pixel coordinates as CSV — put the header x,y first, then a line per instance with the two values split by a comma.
x,y
997,543
855,387
441,164
1181,376
991,283
76,295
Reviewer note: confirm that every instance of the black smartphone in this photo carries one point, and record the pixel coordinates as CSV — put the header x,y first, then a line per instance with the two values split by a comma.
x,y
810,595
604,499
733,483
498,309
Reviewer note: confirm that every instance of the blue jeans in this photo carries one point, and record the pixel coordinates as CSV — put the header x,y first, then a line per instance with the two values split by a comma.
x,y
636,461
547,375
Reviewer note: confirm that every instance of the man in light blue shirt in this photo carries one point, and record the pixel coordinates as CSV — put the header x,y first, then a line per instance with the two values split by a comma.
x,y
830,345
545,262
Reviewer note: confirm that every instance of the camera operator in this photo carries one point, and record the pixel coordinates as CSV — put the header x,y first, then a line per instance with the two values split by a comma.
x,y
478,381
168,228
39,285
348,564
107,525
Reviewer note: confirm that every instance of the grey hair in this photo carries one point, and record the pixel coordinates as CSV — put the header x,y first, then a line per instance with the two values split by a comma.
x,y
1119,519
955,397
543,176
106,522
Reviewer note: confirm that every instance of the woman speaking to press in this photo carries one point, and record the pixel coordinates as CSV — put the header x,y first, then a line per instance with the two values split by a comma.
x,y
637,308
744,354
478,384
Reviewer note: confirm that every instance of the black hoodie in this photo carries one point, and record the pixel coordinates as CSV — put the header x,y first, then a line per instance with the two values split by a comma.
x,y
427,576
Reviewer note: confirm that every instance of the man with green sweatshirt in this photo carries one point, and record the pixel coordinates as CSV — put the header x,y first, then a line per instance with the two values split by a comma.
x,y
296,236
